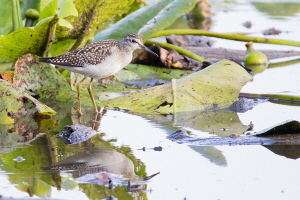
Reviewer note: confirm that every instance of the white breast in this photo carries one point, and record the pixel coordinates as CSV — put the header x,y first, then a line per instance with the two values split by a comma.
x,y
108,67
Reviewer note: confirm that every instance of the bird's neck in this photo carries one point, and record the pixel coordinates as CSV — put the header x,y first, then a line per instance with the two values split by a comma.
x,y
124,45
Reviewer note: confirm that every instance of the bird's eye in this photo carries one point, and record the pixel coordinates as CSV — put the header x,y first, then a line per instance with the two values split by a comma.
x,y
133,41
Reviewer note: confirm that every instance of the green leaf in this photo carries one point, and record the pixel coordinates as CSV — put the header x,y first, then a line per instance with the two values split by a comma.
x,y
211,121
8,101
62,47
63,22
6,17
166,17
49,9
41,79
16,15
92,14
66,8
133,22
63,8
24,40
11,101
214,87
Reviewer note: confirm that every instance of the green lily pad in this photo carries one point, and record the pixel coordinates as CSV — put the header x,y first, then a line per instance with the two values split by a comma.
x,y
40,79
214,87
151,72
12,100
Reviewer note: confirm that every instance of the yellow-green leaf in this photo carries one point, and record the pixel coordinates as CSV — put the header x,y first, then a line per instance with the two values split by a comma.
x,y
24,40
214,87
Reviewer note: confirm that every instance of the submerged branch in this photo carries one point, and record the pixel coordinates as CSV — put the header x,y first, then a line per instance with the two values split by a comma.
x,y
176,48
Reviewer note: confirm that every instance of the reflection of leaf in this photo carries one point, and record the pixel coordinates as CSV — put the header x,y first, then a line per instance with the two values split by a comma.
x,y
284,8
27,174
213,154
288,151
219,122
214,87
8,142
287,127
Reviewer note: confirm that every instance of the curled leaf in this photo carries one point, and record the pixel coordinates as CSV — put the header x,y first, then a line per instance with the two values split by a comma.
x,y
214,87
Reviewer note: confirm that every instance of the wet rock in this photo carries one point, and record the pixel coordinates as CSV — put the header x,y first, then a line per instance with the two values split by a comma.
x,y
272,31
243,104
247,24
77,133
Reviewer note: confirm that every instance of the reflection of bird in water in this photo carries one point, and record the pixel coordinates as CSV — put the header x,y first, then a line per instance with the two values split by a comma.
x,y
96,160
102,166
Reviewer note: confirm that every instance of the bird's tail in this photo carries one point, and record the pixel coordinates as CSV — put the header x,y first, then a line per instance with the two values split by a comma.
x,y
45,60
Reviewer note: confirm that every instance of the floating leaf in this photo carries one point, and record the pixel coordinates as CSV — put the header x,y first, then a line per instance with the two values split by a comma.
x,y
214,87
151,72
41,79
11,100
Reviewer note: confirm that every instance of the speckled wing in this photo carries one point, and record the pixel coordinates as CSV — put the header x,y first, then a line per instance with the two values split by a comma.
x,y
91,54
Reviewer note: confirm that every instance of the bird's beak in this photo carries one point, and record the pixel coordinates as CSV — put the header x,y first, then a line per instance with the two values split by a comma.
x,y
147,49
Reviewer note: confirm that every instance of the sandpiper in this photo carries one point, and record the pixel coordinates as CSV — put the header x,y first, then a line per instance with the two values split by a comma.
x,y
98,60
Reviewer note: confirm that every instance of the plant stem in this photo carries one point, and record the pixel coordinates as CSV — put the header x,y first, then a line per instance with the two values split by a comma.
x,y
176,48
226,36
50,35
273,97
16,15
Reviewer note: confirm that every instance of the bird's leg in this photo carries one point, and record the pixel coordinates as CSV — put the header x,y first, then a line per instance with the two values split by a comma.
x,y
92,96
78,95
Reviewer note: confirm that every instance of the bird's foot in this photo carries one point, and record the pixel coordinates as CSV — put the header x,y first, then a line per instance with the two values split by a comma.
x,y
79,113
96,110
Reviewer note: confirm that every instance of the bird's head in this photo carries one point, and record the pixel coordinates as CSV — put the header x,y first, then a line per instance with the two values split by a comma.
x,y
134,41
